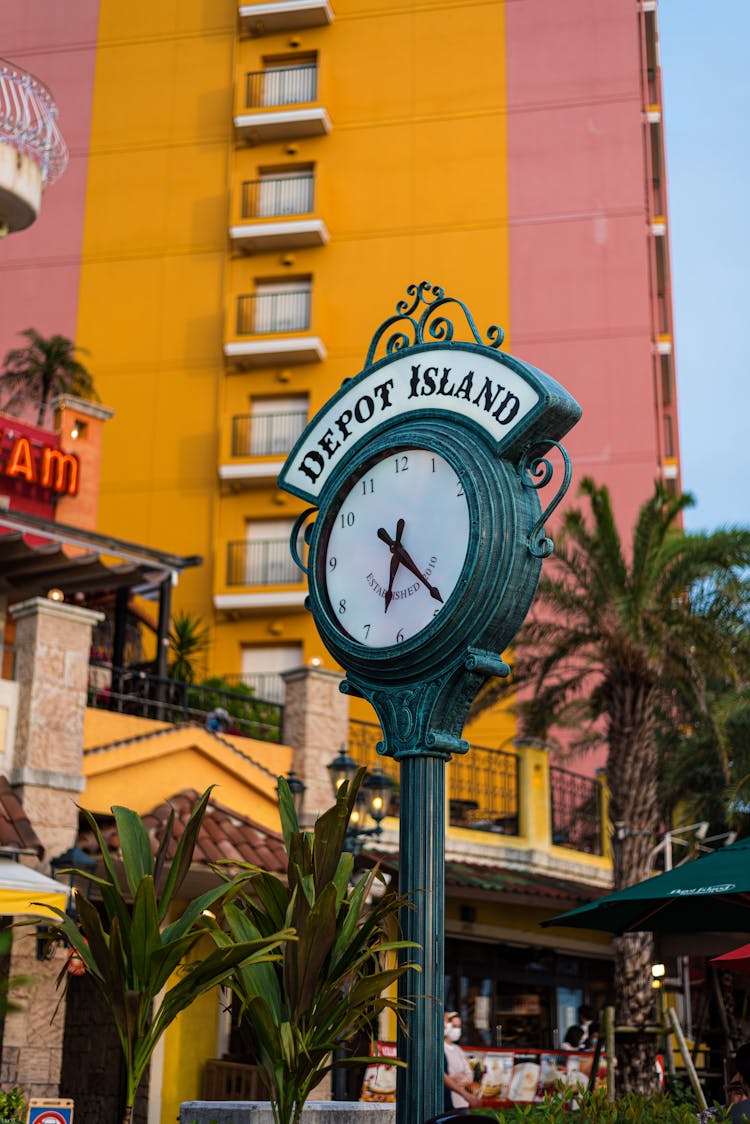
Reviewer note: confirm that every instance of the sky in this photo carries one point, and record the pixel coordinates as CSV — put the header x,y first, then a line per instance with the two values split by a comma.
x,y
705,58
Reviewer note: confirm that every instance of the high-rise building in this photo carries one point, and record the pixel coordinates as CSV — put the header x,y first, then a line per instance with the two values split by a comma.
x,y
251,188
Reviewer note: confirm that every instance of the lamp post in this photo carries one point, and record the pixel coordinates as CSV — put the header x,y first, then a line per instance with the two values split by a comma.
x,y
372,801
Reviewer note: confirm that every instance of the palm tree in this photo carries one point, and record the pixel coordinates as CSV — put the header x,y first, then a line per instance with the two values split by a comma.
x,y
188,641
36,374
620,636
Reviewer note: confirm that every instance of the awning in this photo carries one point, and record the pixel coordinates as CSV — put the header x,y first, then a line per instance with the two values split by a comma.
x,y
23,890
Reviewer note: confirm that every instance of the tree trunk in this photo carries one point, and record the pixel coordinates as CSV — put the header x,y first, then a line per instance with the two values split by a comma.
x,y
632,777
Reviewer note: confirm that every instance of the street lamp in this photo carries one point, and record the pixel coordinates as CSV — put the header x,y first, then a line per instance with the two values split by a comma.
x,y
297,789
372,800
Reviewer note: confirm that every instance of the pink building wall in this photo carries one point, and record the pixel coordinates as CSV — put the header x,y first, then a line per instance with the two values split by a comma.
x,y
578,230
40,267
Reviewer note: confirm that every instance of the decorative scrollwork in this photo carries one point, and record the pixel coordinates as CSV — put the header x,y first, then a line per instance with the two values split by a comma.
x,y
298,524
417,327
536,472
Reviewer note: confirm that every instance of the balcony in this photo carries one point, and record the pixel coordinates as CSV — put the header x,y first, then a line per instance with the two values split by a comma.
x,y
284,15
266,438
275,316
485,791
277,215
278,105
32,151
261,563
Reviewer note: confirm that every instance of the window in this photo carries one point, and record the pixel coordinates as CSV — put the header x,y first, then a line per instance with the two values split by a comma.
x,y
262,667
289,80
289,192
282,306
268,560
275,424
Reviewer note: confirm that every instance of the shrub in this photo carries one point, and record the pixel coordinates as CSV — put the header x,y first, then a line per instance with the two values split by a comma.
x,y
594,1108
12,1106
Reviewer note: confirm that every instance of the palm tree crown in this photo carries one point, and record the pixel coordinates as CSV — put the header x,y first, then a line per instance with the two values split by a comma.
x,y
36,374
621,638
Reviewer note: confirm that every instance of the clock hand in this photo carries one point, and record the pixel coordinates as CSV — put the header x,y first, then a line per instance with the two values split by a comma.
x,y
395,562
406,560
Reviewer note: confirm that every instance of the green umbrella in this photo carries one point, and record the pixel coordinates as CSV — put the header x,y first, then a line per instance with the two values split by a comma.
x,y
710,894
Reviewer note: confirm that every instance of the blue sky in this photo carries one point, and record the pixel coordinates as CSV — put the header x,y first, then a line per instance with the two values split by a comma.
x,y
705,57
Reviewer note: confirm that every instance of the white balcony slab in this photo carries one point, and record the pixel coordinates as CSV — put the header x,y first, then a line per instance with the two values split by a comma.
x,y
249,472
271,349
279,234
288,599
258,125
284,15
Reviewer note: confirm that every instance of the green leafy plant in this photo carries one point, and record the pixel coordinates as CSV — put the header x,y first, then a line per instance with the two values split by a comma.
x,y
337,977
594,1108
253,717
12,1106
136,955
188,641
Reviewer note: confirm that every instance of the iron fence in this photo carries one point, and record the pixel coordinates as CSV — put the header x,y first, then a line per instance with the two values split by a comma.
x,y
281,85
266,435
266,313
136,691
265,562
482,787
576,811
275,196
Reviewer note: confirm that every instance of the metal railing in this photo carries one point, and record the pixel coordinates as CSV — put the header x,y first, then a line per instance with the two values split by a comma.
x,y
28,121
267,313
266,684
576,811
266,435
662,314
653,85
482,787
281,85
265,562
657,196
274,196
131,690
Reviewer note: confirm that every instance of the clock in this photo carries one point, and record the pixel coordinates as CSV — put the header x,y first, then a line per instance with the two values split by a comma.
x,y
395,546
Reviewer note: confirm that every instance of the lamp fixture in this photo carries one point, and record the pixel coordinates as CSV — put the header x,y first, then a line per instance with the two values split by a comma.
x,y
297,789
372,801
55,594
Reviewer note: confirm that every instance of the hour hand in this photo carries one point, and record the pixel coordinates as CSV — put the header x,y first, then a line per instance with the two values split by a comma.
x,y
395,562
406,560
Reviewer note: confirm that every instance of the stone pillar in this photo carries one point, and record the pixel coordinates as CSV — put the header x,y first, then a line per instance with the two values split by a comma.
x,y
52,644
53,640
316,726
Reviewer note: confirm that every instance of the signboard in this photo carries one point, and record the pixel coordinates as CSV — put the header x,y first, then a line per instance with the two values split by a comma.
x,y
48,1110
501,1077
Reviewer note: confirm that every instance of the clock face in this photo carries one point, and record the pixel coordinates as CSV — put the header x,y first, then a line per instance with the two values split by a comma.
x,y
396,547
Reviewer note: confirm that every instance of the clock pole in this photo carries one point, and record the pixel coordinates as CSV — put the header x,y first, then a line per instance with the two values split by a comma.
x,y
420,1094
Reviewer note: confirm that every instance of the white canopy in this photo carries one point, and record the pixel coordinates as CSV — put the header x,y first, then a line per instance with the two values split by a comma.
x,y
23,890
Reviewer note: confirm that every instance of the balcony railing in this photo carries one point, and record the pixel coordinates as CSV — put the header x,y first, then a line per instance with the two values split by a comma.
x,y
575,807
657,196
266,562
266,435
266,684
662,314
269,313
482,787
276,196
653,82
134,691
28,121
289,85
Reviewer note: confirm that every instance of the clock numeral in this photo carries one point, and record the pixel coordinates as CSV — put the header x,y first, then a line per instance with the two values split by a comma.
x,y
433,464
460,490
332,562
366,628
402,463
368,486
342,606
346,519
400,636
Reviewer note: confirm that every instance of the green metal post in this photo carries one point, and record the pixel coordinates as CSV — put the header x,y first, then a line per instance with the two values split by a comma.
x,y
419,1094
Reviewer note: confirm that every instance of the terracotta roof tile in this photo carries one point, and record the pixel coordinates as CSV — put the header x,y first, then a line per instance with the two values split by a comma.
x,y
16,832
225,834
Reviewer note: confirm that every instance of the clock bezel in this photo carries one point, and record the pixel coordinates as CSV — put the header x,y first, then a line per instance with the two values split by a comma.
x,y
501,511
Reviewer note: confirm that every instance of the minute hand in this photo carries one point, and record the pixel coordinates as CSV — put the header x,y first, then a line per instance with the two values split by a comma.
x,y
406,560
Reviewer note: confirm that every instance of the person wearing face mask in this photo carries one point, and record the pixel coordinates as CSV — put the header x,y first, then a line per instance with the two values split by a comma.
x,y
457,1075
